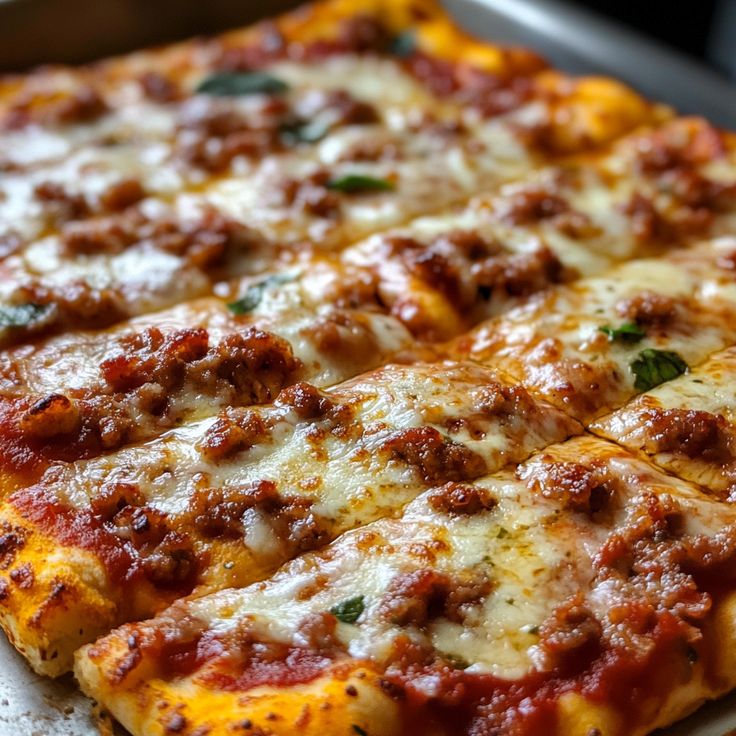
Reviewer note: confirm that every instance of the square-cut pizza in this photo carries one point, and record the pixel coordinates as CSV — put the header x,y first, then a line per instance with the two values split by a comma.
x,y
306,335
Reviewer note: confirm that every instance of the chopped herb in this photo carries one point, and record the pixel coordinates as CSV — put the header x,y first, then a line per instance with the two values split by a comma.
x,y
530,629
303,131
349,610
510,601
653,367
20,315
235,84
455,661
353,183
502,533
228,565
254,295
360,731
627,332
403,45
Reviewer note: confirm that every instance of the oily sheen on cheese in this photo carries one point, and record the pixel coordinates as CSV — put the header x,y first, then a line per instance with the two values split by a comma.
x,y
442,603
361,377
226,500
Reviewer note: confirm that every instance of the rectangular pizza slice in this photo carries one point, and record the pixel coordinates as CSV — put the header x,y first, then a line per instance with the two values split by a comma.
x,y
438,275
590,346
105,167
85,393
225,501
687,426
586,592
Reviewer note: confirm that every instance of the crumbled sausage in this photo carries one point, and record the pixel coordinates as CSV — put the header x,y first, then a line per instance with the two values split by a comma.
x,y
584,488
648,308
435,458
693,433
459,498
232,432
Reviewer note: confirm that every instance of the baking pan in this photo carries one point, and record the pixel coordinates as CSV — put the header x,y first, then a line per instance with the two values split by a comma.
x,y
41,31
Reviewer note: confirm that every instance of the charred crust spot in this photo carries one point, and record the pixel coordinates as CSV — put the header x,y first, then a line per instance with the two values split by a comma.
x,y
521,274
461,499
52,600
50,416
12,539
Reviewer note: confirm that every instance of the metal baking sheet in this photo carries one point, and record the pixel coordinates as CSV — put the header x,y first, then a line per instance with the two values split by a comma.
x,y
40,31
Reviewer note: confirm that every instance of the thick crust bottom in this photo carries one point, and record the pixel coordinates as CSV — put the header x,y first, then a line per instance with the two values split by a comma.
x,y
348,701
148,705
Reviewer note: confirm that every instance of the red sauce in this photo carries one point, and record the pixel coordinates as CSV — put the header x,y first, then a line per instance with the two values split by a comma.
x,y
86,530
471,703
295,666
232,666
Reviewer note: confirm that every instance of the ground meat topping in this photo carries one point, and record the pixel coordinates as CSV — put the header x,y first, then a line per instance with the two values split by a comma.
x,y
203,241
435,458
461,499
521,274
310,195
306,400
233,431
648,309
568,632
221,512
418,597
531,205
584,488
61,205
83,104
695,434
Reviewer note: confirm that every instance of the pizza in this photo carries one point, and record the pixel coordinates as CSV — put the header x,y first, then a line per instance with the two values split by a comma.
x,y
361,377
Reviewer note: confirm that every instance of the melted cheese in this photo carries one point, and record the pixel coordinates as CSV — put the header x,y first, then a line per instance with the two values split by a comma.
x,y
554,343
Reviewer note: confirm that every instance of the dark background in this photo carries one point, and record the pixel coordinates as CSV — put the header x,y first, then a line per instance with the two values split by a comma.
x,y
705,29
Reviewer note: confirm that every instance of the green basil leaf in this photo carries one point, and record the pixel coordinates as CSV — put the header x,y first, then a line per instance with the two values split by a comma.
x,y
360,731
403,45
255,292
304,131
352,183
349,610
653,367
628,332
235,84
20,315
